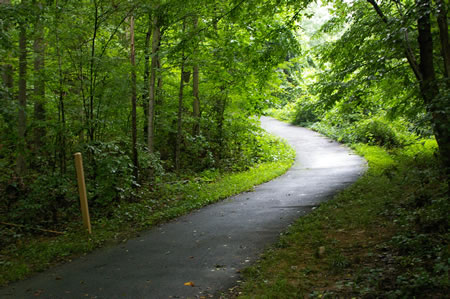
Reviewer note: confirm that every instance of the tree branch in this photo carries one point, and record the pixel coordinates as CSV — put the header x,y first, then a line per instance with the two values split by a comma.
x,y
378,10
408,51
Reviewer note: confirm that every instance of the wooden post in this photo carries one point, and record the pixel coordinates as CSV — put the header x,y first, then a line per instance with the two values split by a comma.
x,y
82,191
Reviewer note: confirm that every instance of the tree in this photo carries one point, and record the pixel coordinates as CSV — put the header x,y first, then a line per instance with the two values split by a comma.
x,y
61,134
22,97
195,87
39,80
146,77
133,101
156,39
184,77
435,99
87,68
386,52
7,68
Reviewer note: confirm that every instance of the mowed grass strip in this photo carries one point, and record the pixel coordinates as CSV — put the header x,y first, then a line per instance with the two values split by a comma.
x,y
385,236
39,252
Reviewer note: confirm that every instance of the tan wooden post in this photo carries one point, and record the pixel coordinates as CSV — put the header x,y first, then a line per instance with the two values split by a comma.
x,y
82,191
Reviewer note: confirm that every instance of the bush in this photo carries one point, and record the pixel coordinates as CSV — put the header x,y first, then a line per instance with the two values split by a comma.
x,y
383,132
109,173
375,130
49,198
305,112
286,113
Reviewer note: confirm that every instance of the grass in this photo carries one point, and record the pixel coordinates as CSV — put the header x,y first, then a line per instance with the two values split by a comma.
x,y
384,237
35,253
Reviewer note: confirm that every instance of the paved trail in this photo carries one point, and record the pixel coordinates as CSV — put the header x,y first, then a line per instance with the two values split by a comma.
x,y
208,246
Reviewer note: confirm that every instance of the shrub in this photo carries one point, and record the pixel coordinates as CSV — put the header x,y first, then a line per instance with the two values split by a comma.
x,y
109,173
305,111
376,131
286,113
380,131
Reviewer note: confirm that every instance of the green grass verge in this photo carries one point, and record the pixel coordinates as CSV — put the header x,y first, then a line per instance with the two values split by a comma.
x,y
160,203
386,236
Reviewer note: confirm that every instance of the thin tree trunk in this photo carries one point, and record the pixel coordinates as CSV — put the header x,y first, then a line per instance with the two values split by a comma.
x,y
159,84
183,78
39,83
61,109
425,72
428,86
90,118
151,103
443,35
133,101
146,93
22,121
179,121
195,88
61,119
221,104
7,72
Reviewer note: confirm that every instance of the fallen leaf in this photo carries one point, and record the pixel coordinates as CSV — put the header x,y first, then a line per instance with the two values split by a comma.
x,y
189,283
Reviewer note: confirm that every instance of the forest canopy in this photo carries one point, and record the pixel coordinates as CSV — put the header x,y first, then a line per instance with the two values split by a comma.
x,y
143,89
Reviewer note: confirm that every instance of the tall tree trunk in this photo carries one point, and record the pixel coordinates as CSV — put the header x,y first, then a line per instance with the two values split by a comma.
x,y
7,69
159,90
39,82
151,102
443,35
424,71
428,86
183,78
22,121
133,101
195,88
220,107
61,110
92,77
146,93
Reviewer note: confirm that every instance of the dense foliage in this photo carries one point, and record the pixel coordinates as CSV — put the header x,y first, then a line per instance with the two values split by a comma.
x,y
24,252
375,73
142,89
160,97
375,77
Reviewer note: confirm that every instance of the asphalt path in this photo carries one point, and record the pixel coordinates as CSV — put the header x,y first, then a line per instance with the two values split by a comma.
x,y
207,247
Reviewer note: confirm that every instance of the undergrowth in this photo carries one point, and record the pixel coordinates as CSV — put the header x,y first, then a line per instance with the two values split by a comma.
x,y
28,252
386,236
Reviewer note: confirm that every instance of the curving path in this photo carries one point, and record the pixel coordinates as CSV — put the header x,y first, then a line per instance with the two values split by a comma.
x,y
208,246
